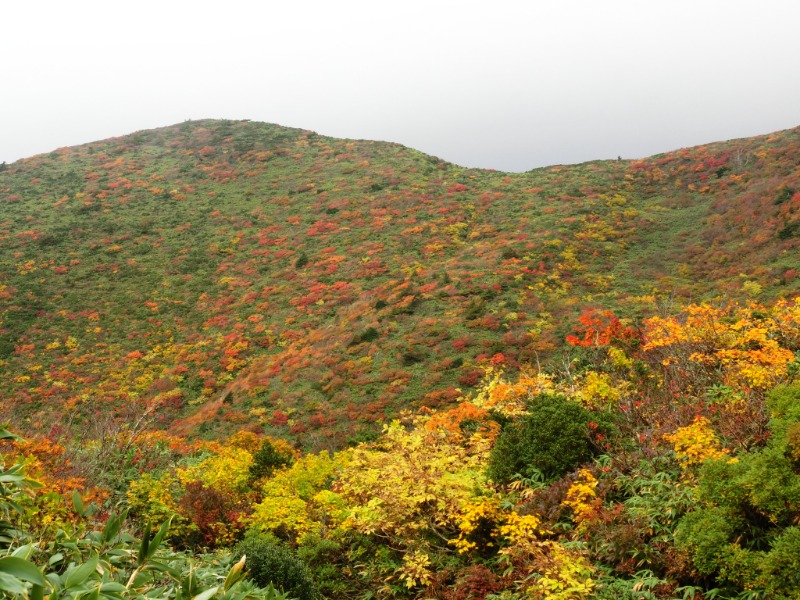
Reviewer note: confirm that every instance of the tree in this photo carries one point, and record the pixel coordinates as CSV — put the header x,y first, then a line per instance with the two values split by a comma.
x,y
268,460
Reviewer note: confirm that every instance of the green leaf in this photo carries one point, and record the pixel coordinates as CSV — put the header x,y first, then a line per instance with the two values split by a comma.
x,y
77,502
92,595
144,545
5,434
54,580
209,593
80,574
113,525
10,584
159,566
23,551
22,569
158,538
112,587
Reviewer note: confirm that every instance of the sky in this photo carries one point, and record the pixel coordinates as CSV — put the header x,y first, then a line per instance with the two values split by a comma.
x,y
501,84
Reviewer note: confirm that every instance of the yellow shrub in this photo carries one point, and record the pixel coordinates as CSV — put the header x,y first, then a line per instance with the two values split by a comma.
x,y
580,497
696,443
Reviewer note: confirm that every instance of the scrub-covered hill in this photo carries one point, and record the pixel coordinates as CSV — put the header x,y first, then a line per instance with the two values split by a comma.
x,y
216,275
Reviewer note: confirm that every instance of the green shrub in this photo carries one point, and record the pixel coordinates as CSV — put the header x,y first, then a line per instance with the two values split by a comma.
x,y
553,439
781,567
301,261
326,561
744,532
266,461
370,334
784,407
269,562
708,534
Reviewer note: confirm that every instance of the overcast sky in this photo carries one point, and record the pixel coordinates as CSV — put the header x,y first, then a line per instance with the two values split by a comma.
x,y
509,85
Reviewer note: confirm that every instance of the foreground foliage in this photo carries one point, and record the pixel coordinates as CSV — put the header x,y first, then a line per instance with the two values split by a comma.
x,y
107,562
537,486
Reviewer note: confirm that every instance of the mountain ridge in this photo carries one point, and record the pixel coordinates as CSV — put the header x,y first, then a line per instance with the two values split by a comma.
x,y
211,121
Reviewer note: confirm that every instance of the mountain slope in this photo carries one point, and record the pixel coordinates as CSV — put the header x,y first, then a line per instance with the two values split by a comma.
x,y
220,274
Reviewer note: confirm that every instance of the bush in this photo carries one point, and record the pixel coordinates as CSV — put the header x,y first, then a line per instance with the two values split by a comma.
x,y
781,567
269,562
268,460
744,532
301,261
327,562
552,439
370,334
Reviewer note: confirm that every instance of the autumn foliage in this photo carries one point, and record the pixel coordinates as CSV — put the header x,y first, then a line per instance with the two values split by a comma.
x,y
397,376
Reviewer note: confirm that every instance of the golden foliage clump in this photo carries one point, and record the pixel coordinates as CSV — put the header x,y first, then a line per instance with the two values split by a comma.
x,y
599,390
696,443
297,500
153,500
227,471
414,479
543,568
581,498
509,398
748,346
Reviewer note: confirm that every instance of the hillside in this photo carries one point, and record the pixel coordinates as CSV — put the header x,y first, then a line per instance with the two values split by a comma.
x,y
216,275
254,363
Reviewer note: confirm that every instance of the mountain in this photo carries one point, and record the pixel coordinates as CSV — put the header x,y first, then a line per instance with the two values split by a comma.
x,y
216,275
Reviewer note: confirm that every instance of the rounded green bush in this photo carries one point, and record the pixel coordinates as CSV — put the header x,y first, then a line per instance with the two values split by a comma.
x,y
269,562
552,439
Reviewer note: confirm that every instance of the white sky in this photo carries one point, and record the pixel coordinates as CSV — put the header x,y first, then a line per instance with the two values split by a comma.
x,y
501,84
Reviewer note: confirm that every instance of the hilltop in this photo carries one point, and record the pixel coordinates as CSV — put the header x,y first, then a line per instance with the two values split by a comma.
x,y
215,275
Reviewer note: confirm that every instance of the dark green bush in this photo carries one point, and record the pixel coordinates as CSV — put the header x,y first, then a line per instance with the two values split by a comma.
x,y
326,561
269,562
267,460
370,334
553,439
301,261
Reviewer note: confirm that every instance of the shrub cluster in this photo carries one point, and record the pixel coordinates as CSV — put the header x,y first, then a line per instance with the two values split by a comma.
x,y
552,439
